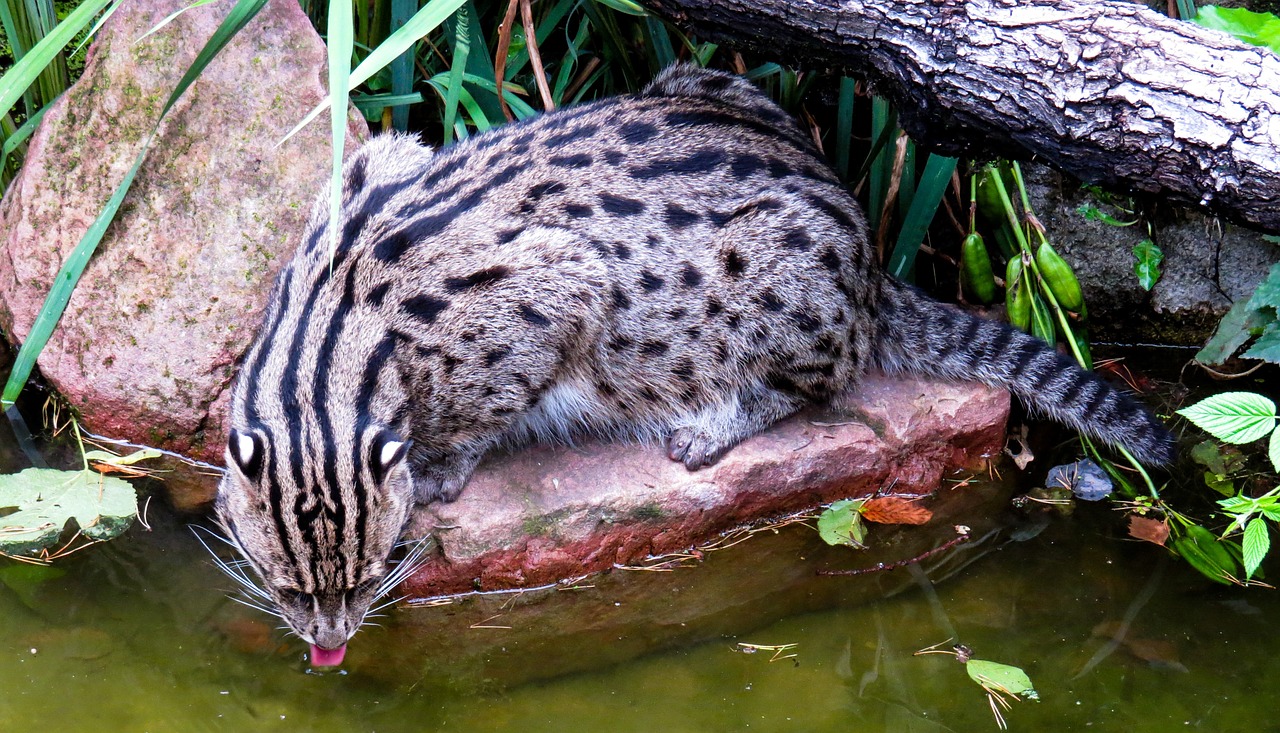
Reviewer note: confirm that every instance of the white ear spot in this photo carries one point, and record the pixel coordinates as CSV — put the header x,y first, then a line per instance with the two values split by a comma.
x,y
389,451
245,448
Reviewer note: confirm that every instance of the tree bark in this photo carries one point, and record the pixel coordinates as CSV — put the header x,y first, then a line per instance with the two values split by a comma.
x,y
1110,92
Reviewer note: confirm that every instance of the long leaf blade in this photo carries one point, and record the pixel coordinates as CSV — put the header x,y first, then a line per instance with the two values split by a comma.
x,y
341,42
933,184
426,20
24,73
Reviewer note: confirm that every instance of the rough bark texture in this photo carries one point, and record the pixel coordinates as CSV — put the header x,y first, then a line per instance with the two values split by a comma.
x,y
1110,92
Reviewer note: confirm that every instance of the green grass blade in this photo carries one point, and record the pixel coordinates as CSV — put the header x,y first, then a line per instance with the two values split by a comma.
x,y
402,67
907,185
423,22
370,103
25,72
341,42
115,5
625,6
933,184
882,122
659,44
479,60
171,17
844,126
461,49
73,267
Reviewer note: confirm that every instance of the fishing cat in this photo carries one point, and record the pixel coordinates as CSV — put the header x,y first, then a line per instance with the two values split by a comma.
x,y
679,263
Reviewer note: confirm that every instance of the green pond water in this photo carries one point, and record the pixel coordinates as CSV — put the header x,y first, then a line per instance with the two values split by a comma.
x,y
139,634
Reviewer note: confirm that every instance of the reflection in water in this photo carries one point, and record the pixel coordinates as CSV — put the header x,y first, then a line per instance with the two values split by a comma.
x,y
138,633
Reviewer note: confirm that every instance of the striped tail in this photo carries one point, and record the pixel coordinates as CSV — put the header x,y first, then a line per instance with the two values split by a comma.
x,y
921,336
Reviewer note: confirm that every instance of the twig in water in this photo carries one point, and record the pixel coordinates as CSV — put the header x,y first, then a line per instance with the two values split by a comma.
x,y
962,533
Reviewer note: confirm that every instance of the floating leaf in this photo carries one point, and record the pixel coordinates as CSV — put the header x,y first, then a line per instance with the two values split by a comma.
x,y
841,524
1147,267
46,499
1222,460
1002,678
895,510
1149,529
1256,543
1234,417
1206,554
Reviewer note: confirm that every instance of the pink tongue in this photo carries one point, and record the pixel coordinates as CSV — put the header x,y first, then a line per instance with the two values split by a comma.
x,y
327,657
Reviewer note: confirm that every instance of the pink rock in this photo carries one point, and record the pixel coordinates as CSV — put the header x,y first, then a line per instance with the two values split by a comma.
x,y
147,347
550,513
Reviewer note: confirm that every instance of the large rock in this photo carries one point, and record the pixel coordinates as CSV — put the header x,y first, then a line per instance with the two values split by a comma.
x,y
549,513
149,342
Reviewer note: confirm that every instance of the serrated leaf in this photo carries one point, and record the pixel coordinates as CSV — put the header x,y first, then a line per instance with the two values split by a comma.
x,y
1273,450
1003,678
46,499
1267,347
841,524
1147,266
1234,417
1256,544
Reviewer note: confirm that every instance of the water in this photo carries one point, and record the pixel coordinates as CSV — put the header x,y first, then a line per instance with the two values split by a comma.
x,y
137,635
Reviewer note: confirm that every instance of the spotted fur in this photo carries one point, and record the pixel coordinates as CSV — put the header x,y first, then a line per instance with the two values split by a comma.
x,y
678,264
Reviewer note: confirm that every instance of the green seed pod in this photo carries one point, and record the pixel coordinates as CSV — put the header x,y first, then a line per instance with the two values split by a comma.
x,y
1041,319
1017,296
1060,278
975,272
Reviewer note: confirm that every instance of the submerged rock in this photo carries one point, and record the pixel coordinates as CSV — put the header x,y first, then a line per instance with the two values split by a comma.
x,y
147,348
549,513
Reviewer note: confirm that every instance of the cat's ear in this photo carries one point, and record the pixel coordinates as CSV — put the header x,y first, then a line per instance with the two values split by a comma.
x,y
244,451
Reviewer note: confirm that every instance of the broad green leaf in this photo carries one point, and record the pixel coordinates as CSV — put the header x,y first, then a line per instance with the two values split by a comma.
x,y
1267,347
1267,294
1003,678
46,499
1256,544
841,524
1235,328
1273,450
1206,553
1258,29
1234,417
1147,266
